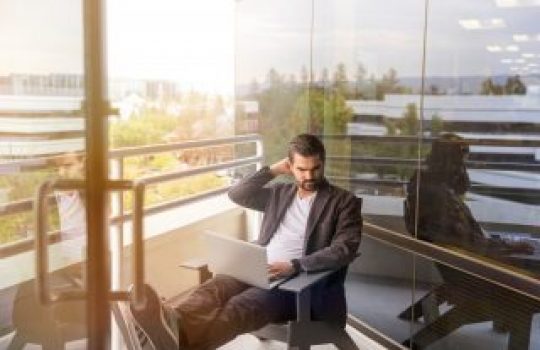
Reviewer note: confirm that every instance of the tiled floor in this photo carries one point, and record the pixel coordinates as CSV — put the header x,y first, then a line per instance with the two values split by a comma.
x,y
244,342
249,342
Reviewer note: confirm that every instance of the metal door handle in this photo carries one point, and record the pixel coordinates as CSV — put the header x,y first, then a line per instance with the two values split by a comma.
x,y
137,293
46,296
41,242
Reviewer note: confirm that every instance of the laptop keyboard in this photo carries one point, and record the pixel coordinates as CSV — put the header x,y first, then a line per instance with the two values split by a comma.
x,y
517,237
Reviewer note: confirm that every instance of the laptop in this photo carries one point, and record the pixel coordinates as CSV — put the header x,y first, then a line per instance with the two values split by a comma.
x,y
242,260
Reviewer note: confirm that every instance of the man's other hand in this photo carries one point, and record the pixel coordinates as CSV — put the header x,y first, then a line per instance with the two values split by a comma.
x,y
280,269
282,167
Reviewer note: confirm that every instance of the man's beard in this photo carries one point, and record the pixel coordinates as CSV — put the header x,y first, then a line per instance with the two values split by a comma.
x,y
309,185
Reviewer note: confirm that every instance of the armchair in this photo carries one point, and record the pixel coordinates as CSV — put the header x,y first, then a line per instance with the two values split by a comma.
x,y
302,332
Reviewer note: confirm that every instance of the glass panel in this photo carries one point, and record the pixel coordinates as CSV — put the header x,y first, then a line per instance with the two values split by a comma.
x,y
171,78
41,139
366,58
379,288
460,310
485,88
177,90
476,197
272,71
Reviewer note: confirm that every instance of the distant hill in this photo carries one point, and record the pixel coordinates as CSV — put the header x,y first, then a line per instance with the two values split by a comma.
x,y
450,85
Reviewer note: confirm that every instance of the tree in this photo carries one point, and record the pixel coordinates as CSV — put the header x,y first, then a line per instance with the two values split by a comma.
x,y
487,87
286,111
409,124
254,88
148,128
324,79
276,103
273,78
514,86
304,77
388,84
340,80
327,113
437,125
359,80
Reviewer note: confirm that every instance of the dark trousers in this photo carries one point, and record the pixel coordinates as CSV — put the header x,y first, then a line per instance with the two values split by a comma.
x,y
223,307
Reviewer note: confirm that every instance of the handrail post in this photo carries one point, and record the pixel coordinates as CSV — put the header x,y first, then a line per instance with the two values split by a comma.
x,y
117,234
41,243
137,294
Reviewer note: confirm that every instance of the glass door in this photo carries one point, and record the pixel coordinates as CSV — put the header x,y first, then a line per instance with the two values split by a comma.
x,y
54,279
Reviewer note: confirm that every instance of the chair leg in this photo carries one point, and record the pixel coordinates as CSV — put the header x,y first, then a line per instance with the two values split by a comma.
x,y
520,332
430,308
344,341
427,306
444,325
415,309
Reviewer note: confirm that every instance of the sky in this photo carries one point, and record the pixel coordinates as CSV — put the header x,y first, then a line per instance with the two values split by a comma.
x,y
387,34
191,42
213,44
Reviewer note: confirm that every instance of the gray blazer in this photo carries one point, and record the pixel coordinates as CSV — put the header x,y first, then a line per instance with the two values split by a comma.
x,y
332,234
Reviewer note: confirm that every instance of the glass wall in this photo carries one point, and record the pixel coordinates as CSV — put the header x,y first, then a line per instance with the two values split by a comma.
x,y
428,110
42,139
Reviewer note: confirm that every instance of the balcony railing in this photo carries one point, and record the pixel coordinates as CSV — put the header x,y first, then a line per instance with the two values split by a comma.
x,y
117,159
499,274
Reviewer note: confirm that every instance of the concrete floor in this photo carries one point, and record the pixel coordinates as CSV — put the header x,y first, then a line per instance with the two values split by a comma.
x,y
378,301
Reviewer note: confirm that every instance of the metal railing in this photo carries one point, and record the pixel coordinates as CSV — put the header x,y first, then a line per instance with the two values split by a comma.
x,y
496,273
117,159
383,162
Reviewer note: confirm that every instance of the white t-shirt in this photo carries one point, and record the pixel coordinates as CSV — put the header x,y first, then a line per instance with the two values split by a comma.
x,y
287,243
72,214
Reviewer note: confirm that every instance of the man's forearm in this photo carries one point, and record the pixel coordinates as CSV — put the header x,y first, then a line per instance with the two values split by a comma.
x,y
250,192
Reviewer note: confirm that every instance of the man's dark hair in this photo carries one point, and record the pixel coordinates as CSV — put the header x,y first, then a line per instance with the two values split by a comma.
x,y
446,163
307,145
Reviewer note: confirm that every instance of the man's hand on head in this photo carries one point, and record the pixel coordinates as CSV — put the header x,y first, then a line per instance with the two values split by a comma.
x,y
282,167
280,269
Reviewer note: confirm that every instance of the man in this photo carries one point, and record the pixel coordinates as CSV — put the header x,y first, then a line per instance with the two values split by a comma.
x,y
443,217
308,225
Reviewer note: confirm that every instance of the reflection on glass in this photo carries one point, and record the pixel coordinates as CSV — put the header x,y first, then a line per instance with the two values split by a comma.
x,y
42,132
437,194
273,72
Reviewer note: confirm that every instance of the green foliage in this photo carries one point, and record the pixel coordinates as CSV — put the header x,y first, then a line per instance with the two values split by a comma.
x,y
196,119
23,185
150,127
513,86
389,84
437,125
340,81
178,189
276,104
15,227
20,226
318,112
407,125
288,109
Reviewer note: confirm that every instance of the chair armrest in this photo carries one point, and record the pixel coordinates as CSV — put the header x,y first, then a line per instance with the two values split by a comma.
x,y
200,266
304,280
194,264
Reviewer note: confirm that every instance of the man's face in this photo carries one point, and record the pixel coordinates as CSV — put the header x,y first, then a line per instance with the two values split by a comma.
x,y
308,172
